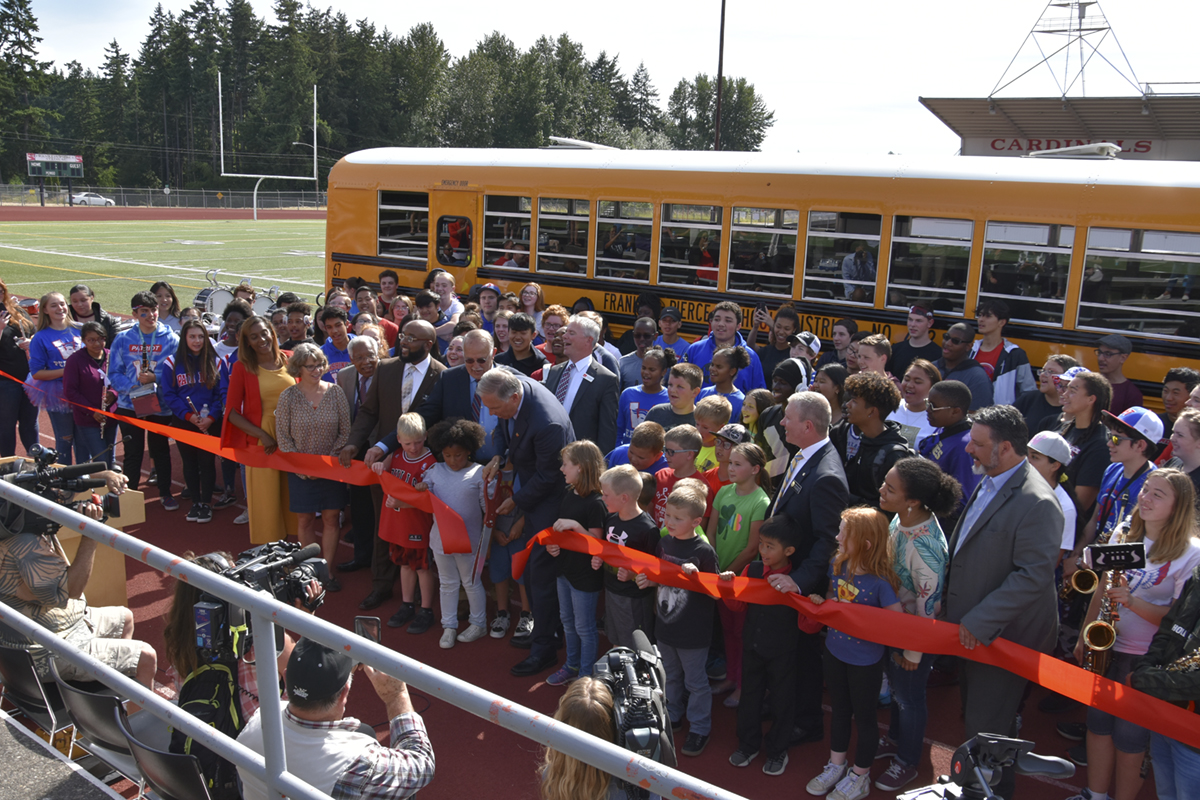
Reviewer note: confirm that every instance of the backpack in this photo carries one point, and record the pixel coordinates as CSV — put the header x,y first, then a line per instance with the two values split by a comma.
x,y
210,694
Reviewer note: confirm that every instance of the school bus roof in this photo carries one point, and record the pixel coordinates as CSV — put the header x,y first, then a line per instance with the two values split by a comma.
x,y
1121,172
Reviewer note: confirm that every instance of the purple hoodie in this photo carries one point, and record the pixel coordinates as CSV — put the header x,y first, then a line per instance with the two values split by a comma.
x,y
83,383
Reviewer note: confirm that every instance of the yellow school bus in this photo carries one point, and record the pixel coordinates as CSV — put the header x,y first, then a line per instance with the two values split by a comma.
x,y
1077,248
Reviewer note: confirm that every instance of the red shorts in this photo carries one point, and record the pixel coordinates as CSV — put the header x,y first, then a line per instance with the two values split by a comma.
x,y
413,558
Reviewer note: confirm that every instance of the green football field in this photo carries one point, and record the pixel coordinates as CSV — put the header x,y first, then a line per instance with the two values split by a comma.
x,y
118,258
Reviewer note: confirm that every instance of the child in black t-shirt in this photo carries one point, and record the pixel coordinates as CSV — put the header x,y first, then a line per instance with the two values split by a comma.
x,y
683,619
770,636
581,510
626,607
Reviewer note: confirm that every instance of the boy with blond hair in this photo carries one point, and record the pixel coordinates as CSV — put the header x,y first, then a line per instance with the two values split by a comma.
x,y
682,445
407,528
627,608
712,413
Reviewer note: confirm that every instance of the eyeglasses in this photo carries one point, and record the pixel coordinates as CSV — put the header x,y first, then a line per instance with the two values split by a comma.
x,y
956,340
314,367
1107,353
474,361
669,452
1117,439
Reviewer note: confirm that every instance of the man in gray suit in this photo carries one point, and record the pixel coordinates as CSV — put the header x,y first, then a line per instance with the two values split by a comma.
x,y
1000,579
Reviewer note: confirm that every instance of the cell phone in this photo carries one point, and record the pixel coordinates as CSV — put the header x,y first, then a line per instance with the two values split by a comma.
x,y
369,628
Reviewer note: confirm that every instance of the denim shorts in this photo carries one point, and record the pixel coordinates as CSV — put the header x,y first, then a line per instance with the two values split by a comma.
x,y
1127,737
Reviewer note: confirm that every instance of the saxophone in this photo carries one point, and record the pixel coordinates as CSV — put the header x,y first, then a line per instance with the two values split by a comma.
x,y
1100,634
1185,663
1083,580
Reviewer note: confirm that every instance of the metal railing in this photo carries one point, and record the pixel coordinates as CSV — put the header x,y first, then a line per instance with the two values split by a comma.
x,y
264,613
290,199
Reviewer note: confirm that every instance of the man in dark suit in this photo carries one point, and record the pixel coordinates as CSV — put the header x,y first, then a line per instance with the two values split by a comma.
x,y
813,495
355,381
413,372
585,388
533,430
454,395
1000,579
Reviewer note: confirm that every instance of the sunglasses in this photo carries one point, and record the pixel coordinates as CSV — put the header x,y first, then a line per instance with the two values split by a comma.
x,y
956,340
669,452
938,409
1117,439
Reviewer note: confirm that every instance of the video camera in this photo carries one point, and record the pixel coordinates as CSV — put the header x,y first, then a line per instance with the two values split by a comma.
x,y
977,766
638,682
57,484
283,569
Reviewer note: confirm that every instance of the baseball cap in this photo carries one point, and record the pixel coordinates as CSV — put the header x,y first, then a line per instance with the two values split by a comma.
x,y
672,312
1117,342
923,311
1052,446
1137,420
734,432
808,339
1067,375
491,287
316,672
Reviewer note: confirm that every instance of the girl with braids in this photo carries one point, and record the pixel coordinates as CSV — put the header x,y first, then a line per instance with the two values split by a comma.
x,y
723,371
916,491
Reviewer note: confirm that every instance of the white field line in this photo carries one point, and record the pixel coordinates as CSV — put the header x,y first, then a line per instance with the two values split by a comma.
x,y
145,264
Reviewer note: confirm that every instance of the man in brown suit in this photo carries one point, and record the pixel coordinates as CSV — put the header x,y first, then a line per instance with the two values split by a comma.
x,y
386,399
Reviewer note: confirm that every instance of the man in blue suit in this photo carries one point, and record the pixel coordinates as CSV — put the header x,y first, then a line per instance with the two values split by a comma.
x,y
533,428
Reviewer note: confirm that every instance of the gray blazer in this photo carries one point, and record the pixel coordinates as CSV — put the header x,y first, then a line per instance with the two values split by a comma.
x,y
1001,583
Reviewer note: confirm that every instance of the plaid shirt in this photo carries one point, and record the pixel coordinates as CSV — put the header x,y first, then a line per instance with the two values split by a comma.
x,y
381,772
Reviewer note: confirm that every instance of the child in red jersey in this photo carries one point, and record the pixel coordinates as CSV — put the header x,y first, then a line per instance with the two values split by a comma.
x,y
407,528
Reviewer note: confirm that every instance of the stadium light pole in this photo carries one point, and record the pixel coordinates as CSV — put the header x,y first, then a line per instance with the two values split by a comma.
x,y
720,76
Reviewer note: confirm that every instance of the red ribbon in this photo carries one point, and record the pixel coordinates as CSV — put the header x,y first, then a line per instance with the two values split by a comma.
x,y
902,631
450,525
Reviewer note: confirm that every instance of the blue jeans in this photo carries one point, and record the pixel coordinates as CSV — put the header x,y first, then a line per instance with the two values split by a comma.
x,y
1176,767
89,443
577,610
63,423
909,710
16,412
685,670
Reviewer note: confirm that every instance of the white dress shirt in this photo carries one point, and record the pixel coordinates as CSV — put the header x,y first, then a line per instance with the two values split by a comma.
x,y
578,373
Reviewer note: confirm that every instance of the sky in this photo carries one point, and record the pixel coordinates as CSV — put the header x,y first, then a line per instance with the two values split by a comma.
x,y
842,78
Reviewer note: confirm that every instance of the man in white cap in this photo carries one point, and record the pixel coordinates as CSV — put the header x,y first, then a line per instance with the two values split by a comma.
x,y
335,753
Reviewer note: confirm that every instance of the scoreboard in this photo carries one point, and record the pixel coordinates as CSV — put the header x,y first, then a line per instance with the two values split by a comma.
x,y
44,165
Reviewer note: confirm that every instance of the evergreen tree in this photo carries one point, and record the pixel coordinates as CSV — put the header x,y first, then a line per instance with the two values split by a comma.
x,y
24,79
643,101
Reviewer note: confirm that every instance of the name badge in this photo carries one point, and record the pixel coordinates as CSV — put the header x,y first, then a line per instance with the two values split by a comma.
x,y
589,378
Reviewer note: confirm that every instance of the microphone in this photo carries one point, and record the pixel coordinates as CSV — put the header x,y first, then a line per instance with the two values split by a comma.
x,y
305,553
64,473
112,447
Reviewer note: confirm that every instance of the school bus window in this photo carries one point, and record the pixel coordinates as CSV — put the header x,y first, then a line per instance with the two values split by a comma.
x,y
762,250
404,228
563,235
690,245
454,241
623,236
929,263
1026,265
841,256
1140,281
506,221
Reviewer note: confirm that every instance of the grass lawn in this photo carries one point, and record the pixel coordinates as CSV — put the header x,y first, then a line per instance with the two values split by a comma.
x,y
118,258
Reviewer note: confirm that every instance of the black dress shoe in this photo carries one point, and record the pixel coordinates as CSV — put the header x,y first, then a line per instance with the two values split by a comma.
x,y
533,665
804,736
375,599
352,565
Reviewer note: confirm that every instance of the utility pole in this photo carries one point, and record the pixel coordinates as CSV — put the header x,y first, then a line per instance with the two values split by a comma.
x,y
720,77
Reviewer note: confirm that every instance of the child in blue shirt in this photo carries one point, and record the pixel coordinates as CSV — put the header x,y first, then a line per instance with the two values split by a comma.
x,y
861,572
337,346
636,401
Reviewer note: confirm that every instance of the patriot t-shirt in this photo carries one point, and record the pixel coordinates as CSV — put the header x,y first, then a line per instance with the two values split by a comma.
x,y
338,359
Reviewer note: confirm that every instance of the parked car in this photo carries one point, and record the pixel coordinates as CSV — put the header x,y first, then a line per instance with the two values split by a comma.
x,y
92,199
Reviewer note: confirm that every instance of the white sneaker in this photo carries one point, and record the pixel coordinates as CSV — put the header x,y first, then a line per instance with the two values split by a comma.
x,y
852,787
524,626
500,624
828,779
472,633
449,636
242,518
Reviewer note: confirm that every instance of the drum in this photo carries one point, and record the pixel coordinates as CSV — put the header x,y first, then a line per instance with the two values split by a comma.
x,y
263,304
217,299
30,306
200,301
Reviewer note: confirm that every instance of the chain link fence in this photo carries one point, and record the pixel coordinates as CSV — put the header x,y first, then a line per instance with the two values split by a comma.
x,y
30,195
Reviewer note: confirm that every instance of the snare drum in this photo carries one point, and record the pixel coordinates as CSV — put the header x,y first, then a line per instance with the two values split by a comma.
x,y
217,300
30,306
263,304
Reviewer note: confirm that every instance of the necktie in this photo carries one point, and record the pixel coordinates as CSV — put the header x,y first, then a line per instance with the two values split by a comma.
x,y
406,387
362,392
788,478
564,384
475,403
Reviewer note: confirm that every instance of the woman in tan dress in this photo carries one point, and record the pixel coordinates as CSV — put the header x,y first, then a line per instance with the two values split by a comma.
x,y
314,417
256,380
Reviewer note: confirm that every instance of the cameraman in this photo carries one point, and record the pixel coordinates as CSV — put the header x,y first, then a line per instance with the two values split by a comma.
x,y
39,581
